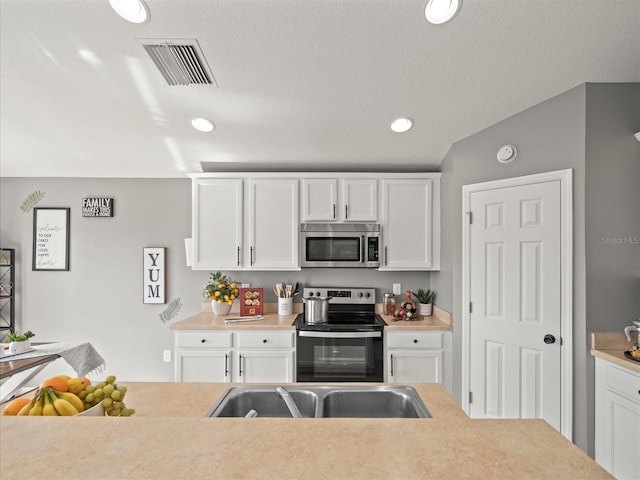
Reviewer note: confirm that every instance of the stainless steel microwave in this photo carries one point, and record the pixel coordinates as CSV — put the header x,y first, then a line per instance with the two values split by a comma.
x,y
340,245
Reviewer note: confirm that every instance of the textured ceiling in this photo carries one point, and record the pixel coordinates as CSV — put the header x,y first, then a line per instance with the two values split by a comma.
x,y
303,84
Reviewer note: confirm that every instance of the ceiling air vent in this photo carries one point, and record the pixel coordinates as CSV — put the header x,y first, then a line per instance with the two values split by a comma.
x,y
180,62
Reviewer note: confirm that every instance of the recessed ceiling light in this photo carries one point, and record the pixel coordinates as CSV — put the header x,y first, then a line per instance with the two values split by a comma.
x,y
134,11
440,11
401,125
202,124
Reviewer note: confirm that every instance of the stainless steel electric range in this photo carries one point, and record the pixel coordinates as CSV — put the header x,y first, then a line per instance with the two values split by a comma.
x,y
349,346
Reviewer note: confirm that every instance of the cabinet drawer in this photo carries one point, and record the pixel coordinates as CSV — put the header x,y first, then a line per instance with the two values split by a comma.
x,y
414,340
623,382
204,339
265,339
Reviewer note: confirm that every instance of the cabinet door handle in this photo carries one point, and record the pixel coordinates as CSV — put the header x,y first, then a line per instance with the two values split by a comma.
x,y
203,340
386,257
415,340
240,364
226,365
264,340
391,365
346,212
251,256
334,211
238,257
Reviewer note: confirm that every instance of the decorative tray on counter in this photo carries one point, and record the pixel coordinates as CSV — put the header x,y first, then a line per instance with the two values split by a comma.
x,y
628,355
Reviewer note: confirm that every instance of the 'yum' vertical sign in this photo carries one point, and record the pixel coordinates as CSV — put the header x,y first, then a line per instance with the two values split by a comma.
x,y
153,273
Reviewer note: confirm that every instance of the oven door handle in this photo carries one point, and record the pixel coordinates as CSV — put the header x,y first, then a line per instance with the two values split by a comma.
x,y
305,333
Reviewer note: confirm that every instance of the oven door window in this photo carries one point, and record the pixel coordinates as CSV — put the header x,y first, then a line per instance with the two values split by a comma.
x,y
333,249
339,359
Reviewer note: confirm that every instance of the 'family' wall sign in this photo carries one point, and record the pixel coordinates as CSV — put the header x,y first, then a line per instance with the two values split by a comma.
x,y
97,207
153,274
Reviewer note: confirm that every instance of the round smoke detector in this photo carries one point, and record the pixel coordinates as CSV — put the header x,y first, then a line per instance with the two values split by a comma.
x,y
507,154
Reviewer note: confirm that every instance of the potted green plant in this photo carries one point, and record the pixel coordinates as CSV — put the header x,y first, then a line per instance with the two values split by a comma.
x,y
425,301
20,342
222,291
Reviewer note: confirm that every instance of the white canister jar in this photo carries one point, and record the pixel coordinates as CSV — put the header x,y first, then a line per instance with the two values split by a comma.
x,y
285,305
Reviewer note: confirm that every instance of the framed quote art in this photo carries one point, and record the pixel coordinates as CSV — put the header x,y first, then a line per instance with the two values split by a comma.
x,y
51,238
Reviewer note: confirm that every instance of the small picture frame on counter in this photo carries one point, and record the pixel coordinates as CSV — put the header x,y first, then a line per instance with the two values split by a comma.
x,y
251,301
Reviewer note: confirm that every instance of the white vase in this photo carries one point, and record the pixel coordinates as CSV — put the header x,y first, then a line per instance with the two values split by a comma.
x,y
19,347
220,308
425,309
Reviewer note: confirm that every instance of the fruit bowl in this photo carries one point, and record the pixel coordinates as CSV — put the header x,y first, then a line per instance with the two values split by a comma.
x,y
95,411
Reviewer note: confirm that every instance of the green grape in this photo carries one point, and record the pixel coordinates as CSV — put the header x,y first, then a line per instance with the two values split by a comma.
x,y
89,398
82,394
127,412
107,402
101,384
117,404
90,389
116,395
110,379
99,392
123,390
108,389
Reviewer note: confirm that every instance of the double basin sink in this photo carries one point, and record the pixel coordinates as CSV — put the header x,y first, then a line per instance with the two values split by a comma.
x,y
320,402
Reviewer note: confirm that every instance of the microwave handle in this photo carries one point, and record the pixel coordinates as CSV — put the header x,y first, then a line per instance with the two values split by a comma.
x,y
363,249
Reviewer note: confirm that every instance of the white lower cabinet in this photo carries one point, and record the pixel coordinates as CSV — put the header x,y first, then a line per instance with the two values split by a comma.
x,y
617,420
414,356
234,356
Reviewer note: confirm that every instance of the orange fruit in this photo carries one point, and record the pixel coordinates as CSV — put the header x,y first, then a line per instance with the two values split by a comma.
x,y
57,383
15,406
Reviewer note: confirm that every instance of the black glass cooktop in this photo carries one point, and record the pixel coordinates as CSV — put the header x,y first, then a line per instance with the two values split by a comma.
x,y
343,321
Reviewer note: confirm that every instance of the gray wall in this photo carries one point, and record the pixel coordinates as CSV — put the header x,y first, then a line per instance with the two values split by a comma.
x,y
612,239
100,299
552,136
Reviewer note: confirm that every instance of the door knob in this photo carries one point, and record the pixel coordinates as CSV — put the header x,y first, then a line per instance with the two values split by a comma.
x,y
549,339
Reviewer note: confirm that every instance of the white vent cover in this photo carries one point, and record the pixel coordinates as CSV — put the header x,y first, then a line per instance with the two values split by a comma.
x,y
180,62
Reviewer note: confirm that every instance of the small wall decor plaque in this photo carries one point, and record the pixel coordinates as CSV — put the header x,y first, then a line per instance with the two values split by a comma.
x,y
251,301
97,207
51,239
153,274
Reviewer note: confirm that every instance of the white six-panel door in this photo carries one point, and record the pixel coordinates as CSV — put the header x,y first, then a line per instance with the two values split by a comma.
x,y
515,310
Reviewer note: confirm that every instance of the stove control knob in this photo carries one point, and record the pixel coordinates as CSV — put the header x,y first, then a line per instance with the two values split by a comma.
x,y
367,295
317,294
311,294
360,294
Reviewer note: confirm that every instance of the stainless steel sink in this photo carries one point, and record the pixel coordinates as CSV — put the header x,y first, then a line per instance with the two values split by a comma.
x,y
376,402
379,401
239,401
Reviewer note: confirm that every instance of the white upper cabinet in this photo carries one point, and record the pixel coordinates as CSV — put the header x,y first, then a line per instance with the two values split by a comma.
x,y
319,199
245,224
217,223
411,223
273,224
360,198
345,200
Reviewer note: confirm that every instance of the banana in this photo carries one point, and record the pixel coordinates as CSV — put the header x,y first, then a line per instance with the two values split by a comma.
x,y
38,407
72,399
27,408
48,409
62,406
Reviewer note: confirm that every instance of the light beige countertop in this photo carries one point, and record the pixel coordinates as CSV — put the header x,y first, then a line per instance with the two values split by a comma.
x,y
169,438
611,347
206,320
